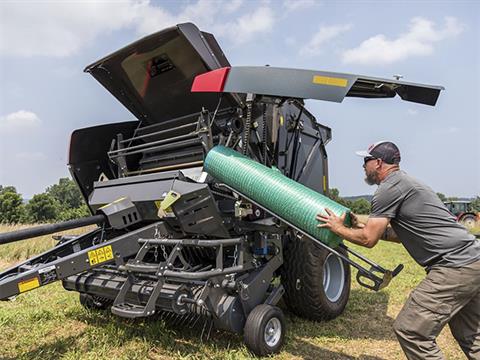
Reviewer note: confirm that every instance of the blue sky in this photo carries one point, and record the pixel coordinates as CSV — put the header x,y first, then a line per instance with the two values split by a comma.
x,y
44,94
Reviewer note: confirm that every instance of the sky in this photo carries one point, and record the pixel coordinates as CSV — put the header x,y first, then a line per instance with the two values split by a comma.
x,y
45,95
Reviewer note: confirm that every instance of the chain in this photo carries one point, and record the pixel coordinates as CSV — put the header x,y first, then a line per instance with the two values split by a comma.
x,y
155,253
247,128
235,255
158,236
165,255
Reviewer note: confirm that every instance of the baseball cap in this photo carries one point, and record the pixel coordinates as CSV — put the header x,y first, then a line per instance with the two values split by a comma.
x,y
385,150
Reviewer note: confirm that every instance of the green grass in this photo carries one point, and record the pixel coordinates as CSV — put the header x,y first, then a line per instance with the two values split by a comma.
x,y
50,323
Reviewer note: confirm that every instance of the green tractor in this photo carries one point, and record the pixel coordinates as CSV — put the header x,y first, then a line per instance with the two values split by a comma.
x,y
464,212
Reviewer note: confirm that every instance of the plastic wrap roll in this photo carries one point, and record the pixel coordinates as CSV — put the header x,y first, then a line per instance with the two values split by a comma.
x,y
283,196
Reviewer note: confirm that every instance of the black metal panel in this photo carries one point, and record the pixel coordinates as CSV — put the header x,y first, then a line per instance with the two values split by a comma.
x,y
143,190
152,77
88,153
300,150
196,210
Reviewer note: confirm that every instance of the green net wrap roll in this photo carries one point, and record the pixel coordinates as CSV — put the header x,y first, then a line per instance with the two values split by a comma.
x,y
283,196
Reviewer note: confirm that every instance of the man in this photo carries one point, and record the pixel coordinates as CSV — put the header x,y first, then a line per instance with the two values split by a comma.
x,y
450,293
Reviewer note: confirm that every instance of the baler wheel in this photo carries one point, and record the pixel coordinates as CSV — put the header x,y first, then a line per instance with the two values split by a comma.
x,y
92,302
264,331
317,283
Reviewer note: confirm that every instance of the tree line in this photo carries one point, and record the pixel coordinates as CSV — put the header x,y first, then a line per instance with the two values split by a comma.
x,y
59,202
359,206
363,206
63,201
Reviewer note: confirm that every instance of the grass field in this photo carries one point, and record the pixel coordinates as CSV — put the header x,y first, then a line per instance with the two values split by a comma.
x,y
50,323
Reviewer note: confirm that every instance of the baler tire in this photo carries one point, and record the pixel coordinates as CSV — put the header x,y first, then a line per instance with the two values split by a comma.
x,y
260,319
302,278
92,302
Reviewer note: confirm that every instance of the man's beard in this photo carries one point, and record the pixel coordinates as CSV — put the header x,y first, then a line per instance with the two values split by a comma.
x,y
371,178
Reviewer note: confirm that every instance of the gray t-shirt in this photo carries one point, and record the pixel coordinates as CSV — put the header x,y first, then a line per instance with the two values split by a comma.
x,y
429,232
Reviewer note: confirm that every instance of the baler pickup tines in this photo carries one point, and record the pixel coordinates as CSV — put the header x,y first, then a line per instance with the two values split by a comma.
x,y
378,282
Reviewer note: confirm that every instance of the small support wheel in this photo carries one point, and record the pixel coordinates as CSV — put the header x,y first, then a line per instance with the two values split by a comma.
x,y
264,331
92,302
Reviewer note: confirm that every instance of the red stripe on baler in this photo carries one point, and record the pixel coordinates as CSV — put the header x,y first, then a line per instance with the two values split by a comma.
x,y
212,81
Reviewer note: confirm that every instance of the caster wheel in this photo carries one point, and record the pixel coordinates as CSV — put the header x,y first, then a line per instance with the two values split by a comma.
x,y
264,331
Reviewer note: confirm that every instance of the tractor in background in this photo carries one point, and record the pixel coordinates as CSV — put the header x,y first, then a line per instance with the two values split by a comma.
x,y
463,211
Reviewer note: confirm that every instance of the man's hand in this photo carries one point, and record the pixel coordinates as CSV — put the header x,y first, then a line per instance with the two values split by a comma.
x,y
367,235
331,221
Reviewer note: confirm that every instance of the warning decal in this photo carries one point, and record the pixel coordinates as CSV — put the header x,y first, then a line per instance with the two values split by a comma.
x,y
100,255
28,284
331,81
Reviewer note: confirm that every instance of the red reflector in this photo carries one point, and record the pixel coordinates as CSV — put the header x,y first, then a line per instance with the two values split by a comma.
x,y
212,81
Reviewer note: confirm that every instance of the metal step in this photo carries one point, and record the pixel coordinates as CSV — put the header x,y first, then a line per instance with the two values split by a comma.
x,y
140,267
131,311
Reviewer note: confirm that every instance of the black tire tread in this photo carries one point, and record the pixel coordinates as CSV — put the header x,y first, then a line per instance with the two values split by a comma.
x,y
304,259
253,332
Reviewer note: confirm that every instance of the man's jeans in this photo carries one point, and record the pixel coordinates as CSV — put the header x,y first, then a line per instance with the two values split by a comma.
x,y
446,295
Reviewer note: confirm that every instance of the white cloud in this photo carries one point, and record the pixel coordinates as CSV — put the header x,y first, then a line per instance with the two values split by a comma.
x,y
31,156
322,36
19,121
246,27
292,5
412,112
233,6
419,40
63,28
60,28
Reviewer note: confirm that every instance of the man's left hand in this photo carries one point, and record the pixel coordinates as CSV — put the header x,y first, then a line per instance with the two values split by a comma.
x,y
331,221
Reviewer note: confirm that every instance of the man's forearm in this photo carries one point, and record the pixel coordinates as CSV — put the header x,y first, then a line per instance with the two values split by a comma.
x,y
357,236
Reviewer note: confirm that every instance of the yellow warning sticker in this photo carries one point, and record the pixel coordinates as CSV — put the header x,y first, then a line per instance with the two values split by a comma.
x,y
100,255
332,81
28,284
171,197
